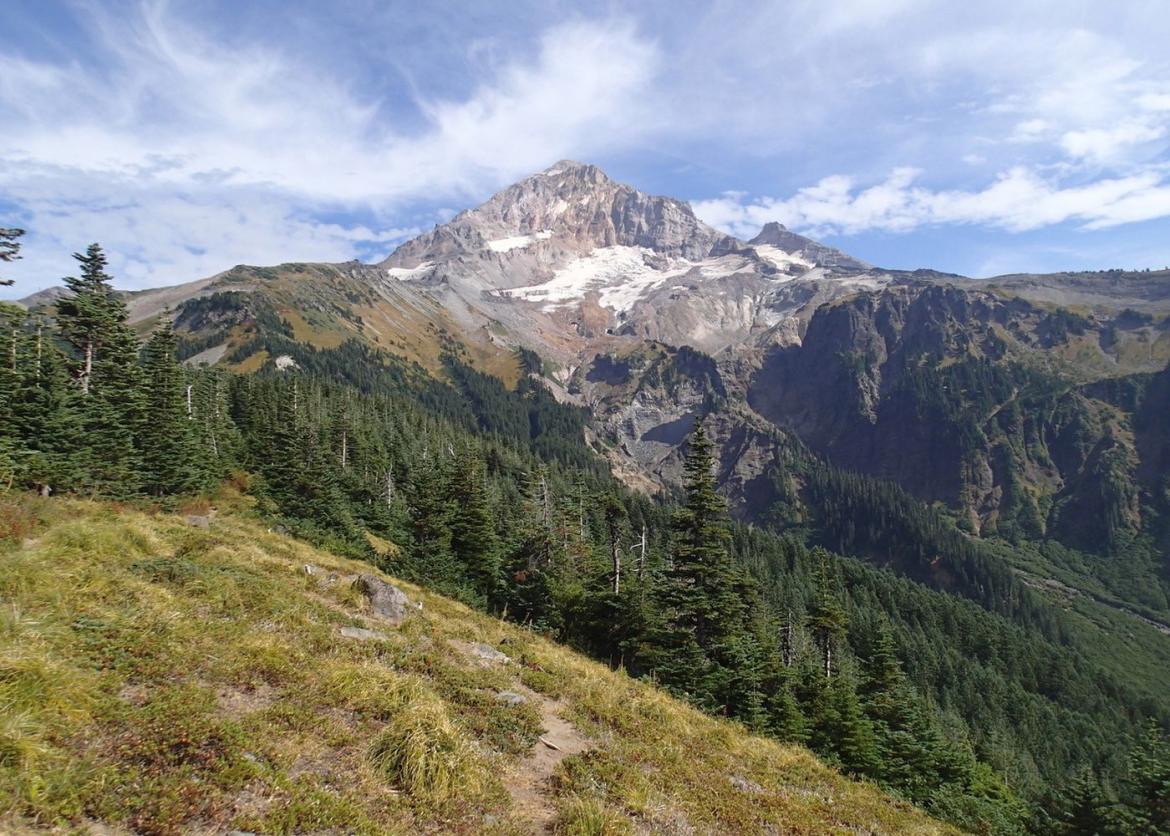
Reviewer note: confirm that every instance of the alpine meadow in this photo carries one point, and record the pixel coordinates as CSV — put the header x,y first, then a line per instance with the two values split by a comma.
x,y
584,509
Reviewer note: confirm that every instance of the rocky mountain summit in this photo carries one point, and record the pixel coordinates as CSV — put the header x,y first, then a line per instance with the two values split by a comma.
x,y
571,253
778,236
568,207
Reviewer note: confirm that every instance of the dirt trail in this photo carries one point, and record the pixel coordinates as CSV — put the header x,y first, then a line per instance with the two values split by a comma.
x,y
529,785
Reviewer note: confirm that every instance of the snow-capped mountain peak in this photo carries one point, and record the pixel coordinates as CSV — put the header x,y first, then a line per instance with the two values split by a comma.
x,y
599,256
779,238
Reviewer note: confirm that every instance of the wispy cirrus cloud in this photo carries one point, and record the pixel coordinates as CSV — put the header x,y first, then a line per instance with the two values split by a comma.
x,y
190,137
1064,125
185,156
1017,201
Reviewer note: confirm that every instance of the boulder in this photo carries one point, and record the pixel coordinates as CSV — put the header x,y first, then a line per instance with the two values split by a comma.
x,y
386,600
488,654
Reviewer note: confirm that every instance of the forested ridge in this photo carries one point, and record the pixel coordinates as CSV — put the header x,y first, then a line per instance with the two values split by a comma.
x,y
986,709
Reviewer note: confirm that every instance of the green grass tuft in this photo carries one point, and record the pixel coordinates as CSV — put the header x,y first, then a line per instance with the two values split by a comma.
x,y
425,753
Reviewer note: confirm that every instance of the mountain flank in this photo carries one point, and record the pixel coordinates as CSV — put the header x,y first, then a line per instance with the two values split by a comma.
x,y
203,673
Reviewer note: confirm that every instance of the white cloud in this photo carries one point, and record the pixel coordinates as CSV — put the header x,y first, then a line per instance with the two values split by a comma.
x,y
1018,200
260,143
1156,102
155,236
1107,144
232,152
1030,130
183,108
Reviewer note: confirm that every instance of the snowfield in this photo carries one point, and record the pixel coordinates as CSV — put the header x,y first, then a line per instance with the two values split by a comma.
x,y
781,258
408,273
620,275
503,245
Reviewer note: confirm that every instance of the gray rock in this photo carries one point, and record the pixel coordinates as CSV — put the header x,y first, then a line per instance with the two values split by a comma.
x,y
387,601
511,697
199,521
363,635
488,654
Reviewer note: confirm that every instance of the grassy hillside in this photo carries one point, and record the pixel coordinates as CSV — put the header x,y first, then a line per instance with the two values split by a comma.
x,y
158,676
232,318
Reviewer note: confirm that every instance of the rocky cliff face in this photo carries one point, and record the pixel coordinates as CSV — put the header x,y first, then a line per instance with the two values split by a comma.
x,y
955,396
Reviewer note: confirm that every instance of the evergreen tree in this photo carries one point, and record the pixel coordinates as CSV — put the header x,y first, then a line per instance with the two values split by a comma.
x,y
1083,810
785,718
93,321
219,440
169,447
827,618
839,728
531,551
473,535
90,316
431,515
38,411
702,595
1148,785
910,748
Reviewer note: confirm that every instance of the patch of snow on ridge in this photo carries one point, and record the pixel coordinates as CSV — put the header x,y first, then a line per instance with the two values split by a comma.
x,y
619,275
781,258
407,273
503,245
718,268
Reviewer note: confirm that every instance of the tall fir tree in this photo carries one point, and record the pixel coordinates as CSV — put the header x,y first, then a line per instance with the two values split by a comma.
x,y
92,319
39,418
701,622
171,462
1148,785
473,535
431,514
827,618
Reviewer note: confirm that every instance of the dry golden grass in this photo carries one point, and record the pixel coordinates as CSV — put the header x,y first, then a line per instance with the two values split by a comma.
x,y
161,679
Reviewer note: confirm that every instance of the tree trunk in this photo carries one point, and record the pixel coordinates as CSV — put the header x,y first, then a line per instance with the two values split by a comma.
x,y
615,548
85,375
642,555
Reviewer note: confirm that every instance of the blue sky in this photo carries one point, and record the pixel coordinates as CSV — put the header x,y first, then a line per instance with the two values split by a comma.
x,y
978,138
